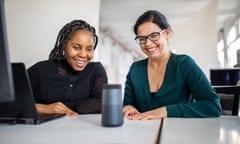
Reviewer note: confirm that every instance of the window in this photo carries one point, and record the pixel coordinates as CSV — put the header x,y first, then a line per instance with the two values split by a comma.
x,y
229,53
220,51
232,35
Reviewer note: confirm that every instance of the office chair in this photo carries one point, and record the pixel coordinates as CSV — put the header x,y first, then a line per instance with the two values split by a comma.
x,y
229,98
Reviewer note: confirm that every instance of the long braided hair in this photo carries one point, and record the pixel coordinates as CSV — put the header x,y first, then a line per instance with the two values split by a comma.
x,y
66,33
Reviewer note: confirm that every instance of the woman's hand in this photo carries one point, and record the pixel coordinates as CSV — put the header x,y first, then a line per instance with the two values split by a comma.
x,y
129,111
57,107
153,114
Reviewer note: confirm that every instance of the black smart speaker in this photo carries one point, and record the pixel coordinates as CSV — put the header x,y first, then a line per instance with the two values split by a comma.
x,y
112,115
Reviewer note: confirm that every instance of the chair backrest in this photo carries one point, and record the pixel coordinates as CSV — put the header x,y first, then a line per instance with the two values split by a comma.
x,y
229,97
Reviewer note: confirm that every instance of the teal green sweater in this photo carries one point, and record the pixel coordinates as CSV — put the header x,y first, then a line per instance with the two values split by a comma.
x,y
185,91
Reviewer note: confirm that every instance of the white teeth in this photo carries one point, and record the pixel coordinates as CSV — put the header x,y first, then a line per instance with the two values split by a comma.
x,y
151,49
80,63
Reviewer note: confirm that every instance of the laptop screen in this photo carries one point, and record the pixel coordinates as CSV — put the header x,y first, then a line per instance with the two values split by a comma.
x,y
23,109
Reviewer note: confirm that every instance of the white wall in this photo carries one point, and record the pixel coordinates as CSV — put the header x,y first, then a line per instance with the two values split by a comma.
x,y
115,59
197,37
33,25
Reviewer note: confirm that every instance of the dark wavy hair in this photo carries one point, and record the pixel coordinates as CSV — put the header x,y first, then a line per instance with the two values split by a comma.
x,y
66,33
153,16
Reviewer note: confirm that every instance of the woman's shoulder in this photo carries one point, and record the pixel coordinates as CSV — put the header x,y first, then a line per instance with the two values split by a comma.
x,y
181,58
138,66
140,63
96,64
96,69
43,64
185,63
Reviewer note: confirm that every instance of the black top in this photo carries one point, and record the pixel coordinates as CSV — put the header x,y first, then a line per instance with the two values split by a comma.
x,y
54,81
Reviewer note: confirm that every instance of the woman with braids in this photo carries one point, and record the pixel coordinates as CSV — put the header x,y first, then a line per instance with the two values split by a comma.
x,y
68,82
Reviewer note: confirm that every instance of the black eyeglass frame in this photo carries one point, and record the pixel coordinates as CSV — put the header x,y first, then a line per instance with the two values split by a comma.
x,y
149,37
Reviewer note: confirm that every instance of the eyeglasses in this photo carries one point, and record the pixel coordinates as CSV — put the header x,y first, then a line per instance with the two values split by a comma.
x,y
153,37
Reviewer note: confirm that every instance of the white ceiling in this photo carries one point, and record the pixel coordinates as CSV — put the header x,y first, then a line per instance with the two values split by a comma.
x,y
118,16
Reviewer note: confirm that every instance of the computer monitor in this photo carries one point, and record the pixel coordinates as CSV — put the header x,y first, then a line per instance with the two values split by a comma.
x,y
6,78
225,76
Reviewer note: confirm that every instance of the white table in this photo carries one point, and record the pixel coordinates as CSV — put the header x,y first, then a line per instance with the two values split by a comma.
x,y
224,130
87,129
84,129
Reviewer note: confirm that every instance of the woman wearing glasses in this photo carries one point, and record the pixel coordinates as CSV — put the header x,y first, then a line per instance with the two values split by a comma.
x,y
165,84
68,82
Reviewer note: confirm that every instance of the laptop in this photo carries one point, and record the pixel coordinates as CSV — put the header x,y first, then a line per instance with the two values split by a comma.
x,y
22,110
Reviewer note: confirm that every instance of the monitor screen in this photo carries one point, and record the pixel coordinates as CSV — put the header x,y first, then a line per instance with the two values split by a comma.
x,y
6,78
227,76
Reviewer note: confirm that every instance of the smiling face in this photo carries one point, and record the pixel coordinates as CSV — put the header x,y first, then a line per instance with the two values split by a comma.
x,y
153,49
80,49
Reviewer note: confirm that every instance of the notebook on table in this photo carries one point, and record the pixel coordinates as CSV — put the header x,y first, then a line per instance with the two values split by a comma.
x,y
22,110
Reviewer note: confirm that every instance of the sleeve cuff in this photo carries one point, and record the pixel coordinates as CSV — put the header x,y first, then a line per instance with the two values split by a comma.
x,y
174,111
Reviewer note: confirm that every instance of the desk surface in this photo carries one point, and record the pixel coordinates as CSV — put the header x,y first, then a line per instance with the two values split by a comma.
x,y
224,130
87,129
84,129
